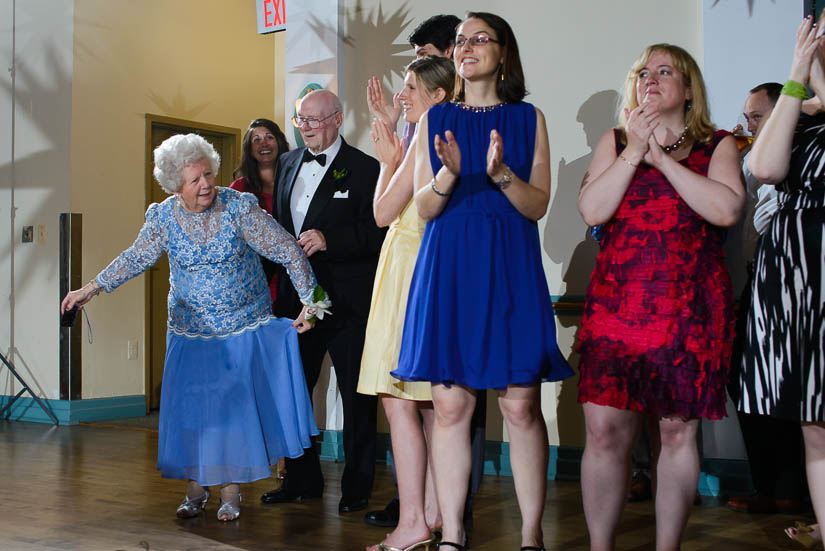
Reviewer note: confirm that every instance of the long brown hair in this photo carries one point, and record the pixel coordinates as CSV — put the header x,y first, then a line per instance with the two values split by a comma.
x,y
697,112
249,165
510,79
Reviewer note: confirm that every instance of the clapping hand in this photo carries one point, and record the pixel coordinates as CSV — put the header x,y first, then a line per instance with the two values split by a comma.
x,y
495,155
641,122
389,149
806,44
448,152
377,104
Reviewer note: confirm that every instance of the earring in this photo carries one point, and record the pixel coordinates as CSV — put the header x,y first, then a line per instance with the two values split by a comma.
x,y
501,72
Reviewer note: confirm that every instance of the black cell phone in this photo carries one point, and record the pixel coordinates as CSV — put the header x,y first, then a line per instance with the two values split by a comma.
x,y
67,319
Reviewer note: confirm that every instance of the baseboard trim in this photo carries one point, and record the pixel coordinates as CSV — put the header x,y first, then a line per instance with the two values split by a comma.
x,y
72,412
718,476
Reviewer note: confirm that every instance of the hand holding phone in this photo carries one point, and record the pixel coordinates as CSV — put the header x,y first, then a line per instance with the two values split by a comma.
x,y
67,318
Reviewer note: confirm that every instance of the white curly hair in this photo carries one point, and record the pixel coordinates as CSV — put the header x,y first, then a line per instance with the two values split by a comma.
x,y
175,153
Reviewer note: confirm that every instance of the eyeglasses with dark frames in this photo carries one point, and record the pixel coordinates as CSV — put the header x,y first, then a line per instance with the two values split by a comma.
x,y
311,122
477,40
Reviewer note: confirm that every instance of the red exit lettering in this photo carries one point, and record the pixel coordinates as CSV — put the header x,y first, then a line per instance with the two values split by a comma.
x,y
279,10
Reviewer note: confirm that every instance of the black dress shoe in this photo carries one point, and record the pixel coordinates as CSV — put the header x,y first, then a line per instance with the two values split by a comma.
x,y
350,505
285,495
386,517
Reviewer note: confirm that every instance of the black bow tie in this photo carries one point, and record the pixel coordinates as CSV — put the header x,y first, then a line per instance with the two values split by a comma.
x,y
320,159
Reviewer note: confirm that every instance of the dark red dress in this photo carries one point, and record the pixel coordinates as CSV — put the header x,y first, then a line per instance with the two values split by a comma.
x,y
658,319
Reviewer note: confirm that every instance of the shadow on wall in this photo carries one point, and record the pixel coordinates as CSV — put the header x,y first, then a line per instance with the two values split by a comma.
x,y
597,115
364,29
39,164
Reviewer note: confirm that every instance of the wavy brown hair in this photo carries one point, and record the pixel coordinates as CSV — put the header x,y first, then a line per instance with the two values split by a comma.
x,y
249,165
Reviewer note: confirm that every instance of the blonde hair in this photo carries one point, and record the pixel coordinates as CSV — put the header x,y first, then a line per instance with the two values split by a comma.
x,y
434,72
697,112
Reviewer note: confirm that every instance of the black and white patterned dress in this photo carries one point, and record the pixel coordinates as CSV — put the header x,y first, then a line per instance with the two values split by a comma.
x,y
784,360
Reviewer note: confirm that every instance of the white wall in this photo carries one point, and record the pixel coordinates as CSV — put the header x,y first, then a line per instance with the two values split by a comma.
x,y
42,183
745,44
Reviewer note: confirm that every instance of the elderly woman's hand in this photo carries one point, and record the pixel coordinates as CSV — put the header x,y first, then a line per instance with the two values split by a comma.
x,y
301,324
448,152
81,296
389,149
641,122
388,114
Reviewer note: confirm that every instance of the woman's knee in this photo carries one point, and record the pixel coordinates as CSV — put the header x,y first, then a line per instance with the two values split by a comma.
x,y
675,433
520,414
453,408
608,431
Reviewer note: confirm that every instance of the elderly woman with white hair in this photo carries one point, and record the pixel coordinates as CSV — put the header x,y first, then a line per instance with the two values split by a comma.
x,y
234,398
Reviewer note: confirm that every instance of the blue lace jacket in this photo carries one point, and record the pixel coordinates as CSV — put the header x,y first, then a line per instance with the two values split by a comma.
x,y
217,286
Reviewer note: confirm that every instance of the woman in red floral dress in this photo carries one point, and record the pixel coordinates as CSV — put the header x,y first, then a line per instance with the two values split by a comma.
x,y
658,320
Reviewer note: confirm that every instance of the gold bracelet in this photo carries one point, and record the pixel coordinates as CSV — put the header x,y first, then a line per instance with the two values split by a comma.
x,y
622,157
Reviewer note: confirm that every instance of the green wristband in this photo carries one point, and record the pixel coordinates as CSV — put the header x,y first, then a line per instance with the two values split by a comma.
x,y
795,89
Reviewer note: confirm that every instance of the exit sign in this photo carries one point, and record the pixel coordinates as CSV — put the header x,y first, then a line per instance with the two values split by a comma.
x,y
271,15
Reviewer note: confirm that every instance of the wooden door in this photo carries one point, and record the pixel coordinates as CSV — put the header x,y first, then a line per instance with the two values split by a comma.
x,y
226,142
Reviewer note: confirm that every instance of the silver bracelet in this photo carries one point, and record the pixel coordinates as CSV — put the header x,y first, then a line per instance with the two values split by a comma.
x,y
436,190
506,180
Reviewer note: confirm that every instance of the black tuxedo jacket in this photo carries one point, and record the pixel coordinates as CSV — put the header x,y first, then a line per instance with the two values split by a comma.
x,y
341,209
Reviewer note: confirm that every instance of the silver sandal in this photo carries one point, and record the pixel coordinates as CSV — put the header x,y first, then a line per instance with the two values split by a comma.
x,y
190,507
232,509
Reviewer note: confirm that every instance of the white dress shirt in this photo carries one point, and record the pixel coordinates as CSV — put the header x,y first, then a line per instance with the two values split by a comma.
x,y
306,184
760,207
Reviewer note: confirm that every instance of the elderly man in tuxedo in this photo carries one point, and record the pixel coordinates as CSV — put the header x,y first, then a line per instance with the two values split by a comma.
x,y
323,195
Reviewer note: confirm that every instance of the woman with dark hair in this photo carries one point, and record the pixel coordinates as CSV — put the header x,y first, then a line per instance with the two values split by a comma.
x,y
479,313
657,329
263,143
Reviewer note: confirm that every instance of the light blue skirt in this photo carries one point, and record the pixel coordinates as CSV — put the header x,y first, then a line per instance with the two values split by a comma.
x,y
231,406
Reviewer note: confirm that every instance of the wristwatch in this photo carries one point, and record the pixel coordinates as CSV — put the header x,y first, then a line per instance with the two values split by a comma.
x,y
506,180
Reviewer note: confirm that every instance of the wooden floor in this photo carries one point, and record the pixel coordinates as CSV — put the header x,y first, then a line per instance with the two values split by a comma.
x,y
96,488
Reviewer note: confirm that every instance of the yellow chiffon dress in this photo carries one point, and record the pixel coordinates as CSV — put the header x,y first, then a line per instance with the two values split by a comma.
x,y
389,303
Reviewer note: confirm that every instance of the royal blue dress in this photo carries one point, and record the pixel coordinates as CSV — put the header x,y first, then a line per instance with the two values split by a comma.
x,y
234,398
479,312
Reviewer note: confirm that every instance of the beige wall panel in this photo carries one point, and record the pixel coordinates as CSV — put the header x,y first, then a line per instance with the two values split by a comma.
x,y
199,60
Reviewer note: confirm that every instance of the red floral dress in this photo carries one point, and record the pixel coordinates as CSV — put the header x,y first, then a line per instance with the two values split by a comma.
x,y
658,319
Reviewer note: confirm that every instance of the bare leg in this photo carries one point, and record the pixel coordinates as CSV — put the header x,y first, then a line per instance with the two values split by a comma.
x,y
409,452
605,468
814,436
431,510
521,408
677,475
451,455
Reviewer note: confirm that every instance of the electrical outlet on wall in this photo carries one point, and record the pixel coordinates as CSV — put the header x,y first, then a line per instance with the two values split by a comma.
x,y
41,233
132,350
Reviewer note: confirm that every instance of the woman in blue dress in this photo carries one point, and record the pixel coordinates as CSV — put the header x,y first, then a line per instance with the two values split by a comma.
x,y
479,314
233,398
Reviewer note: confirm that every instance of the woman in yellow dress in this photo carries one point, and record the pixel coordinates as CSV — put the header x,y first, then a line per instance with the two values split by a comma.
x,y
428,81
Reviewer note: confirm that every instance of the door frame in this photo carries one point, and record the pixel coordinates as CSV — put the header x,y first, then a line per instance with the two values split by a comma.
x,y
233,139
